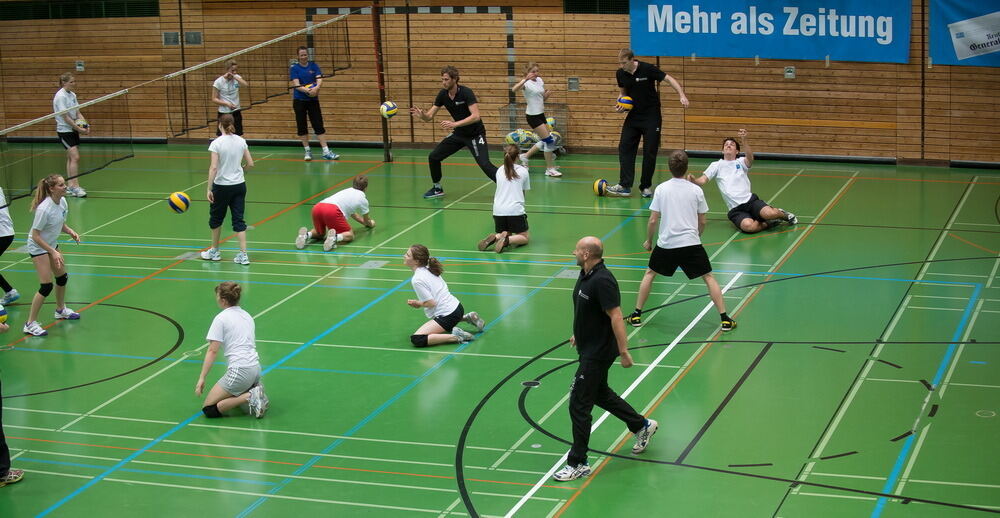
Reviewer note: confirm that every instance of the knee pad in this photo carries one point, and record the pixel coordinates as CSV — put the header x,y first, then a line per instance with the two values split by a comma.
x,y
549,139
45,288
418,340
62,279
211,411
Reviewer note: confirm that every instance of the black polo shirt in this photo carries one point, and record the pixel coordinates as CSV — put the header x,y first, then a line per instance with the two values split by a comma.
x,y
641,87
595,293
459,109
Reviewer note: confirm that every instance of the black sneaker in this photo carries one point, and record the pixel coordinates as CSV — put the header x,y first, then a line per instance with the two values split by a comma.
x,y
728,325
635,319
434,192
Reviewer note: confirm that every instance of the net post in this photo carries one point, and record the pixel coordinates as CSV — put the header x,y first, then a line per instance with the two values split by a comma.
x,y
380,75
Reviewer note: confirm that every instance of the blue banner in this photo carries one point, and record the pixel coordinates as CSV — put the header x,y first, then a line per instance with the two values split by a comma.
x,y
965,33
843,30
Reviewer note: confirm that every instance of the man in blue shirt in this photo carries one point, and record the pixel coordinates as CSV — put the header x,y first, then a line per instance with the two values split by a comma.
x,y
306,78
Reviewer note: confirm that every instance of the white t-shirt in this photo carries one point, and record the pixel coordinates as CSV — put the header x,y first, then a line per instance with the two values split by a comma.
x,y
429,286
509,198
49,221
734,184
234,327
228,91
63,100
350,201
679,202
534,95
6,224
230,149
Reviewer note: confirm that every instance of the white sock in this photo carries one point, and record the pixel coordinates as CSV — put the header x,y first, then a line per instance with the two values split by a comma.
x,y
340,237
326,149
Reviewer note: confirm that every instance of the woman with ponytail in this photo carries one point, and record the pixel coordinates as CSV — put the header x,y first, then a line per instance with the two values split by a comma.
x,y
509,219
227,189
440,306
49,205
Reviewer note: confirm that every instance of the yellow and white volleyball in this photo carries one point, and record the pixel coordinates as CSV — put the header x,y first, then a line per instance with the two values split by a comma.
x,y
82,123
551,121
625,103
517,137
388,109
3,315
179,202
530,138
557,138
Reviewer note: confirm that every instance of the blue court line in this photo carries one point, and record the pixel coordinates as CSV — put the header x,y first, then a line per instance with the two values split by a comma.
x,y
375,413
90,483
949,353
149,472
978,362
337,371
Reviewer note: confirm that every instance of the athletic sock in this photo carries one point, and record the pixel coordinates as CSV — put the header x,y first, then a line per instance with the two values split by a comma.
x,y
724,316
326,149
638,311
437,184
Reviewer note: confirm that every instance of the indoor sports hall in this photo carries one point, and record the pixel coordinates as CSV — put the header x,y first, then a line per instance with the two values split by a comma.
x,y
863,378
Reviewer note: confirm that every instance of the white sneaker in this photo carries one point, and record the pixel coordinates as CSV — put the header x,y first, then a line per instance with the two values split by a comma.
x,y
66,314
212,254
789,217
258,401
572,472
642,436
10,296
302,238
553,172
647,193
308,156
618,191
34,329
77,192
242,258
473,318
523,158
462,334
331,240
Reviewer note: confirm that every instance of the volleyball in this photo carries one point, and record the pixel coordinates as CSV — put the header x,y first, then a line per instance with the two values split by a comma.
x,y
530,138
600,186
517,137
557,138
82,123
388,109
3,315
551,121
625,103
179,202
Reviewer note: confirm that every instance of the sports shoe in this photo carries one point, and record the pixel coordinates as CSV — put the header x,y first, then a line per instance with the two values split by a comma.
x,y
618,191
647,193
242,258
553,172
330,155
789,217
485,242
302,238
434,192
10,296
728,325
76,192
308,156
258,401
634,319
331,240
212,254
66,314
34,329
502,242
642,436
523,158
473,318
12,476
462,334
572,472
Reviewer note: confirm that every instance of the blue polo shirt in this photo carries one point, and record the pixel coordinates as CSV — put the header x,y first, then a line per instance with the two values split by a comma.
x,y
305,74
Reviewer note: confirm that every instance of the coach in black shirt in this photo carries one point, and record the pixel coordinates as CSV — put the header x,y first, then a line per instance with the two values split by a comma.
x,y
599,336
637,79
466,128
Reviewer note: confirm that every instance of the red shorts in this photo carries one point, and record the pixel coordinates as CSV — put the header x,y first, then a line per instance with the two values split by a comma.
x,y
328,215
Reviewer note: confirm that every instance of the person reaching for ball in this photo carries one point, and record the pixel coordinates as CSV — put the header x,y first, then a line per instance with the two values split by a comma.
x,y
440,306
330,217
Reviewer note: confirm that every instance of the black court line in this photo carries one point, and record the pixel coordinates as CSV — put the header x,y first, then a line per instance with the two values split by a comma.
x,y
902,436
837,455
177,343
829,349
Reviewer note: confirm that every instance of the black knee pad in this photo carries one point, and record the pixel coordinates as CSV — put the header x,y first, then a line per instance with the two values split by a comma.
x,y
212,411
62,279
45,288
418,340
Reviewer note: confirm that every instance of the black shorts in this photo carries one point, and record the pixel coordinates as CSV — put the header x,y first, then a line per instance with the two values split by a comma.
x,y
512,224
5,242
449,321
750,209
69,139
233,198
311,108
693,261
535,121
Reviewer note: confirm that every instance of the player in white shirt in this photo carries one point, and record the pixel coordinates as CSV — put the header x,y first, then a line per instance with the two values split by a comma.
x,y
440,306
226,94
233,331
510,223
227,188
69,131
535,95
747,211
677,218
50,207
6,238
330,217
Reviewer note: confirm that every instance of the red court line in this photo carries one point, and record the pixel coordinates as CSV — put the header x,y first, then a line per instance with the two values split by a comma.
x,y
966,241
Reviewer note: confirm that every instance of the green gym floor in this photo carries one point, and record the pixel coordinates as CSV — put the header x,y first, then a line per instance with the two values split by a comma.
x,y
863,379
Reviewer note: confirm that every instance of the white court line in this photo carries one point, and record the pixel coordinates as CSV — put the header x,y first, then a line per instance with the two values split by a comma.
x,y
841,475
913,459
831,495
934,309
624,395
973,385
